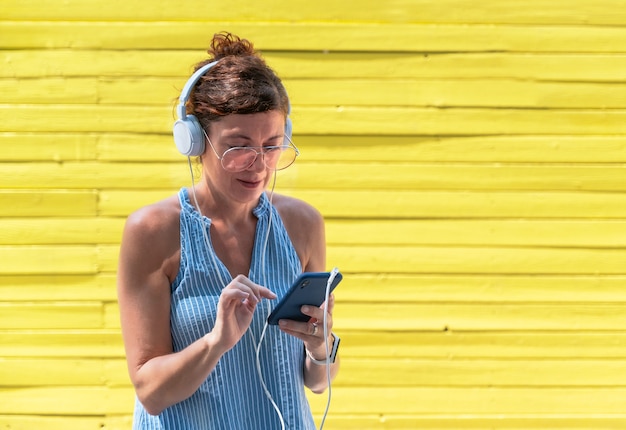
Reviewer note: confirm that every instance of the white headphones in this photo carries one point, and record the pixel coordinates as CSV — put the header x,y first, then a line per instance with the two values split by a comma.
x,y
188,134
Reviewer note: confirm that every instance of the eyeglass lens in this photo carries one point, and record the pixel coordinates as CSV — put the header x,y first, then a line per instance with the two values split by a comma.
x,y
274,157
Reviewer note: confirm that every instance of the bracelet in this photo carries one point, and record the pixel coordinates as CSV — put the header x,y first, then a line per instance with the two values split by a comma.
x,y
315,360
333,353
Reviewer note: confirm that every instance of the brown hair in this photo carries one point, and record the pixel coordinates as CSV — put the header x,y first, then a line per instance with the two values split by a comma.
x,y
240,83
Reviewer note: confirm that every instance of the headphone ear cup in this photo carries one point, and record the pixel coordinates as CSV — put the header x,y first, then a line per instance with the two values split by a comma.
x,y
288,131
188,136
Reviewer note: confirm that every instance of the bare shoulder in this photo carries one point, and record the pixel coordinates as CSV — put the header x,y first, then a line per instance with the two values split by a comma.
x,y
305,226
293,210
161,216
152,237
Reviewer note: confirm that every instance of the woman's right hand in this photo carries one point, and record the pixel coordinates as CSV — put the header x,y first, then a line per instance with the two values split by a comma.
x,y
235,309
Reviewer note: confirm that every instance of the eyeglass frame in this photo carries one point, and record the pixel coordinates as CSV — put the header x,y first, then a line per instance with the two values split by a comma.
x,y
259,150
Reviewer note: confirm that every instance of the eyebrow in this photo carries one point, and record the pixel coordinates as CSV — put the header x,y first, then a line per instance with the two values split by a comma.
x,y
246,137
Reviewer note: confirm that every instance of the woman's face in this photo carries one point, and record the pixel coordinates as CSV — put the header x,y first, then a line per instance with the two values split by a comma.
x,y
250,130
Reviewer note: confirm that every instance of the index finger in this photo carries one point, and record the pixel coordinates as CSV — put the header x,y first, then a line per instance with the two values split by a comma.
x,y
258,290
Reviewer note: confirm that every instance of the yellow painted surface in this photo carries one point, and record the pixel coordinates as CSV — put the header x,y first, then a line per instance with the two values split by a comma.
x,y
469,159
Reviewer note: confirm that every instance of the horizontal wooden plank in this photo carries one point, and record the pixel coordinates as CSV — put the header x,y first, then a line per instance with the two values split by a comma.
x,y
79,401
356,344
350,421
54,422
382,176
403,316
481,373
29,260
483,288
51,315
540,149
417,204
472,401
395,11
49,147
176,64
449,260
46,91
322,91
347,120
447,93
409,175
68,118
68,343
360,288
312,36
81,175
62,147
464,121
36,203
50,287
446,344
559,233
520,149
46,372
449,401
473,421
465,260
60,231
364,288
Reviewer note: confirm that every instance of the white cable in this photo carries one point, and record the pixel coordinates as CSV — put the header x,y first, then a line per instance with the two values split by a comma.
x,y
260,372
258,346
204,233
214,260
331,278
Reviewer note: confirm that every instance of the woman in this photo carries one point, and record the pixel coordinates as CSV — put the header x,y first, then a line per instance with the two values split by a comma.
x,y
198,270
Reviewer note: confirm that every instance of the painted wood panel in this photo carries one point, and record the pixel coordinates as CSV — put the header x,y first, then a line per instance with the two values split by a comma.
x,y
332,175
360,344
159,148
569,66
315,36
330,120
548,402
440,93
538,233
468,158
395,11
73,372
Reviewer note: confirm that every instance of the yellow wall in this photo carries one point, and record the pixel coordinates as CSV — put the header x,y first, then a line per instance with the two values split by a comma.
x,y
468,157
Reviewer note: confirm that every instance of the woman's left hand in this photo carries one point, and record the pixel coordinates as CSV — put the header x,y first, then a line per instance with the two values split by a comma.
x,y
312,331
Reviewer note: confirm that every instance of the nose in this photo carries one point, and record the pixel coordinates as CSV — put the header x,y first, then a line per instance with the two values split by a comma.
x,y
259,162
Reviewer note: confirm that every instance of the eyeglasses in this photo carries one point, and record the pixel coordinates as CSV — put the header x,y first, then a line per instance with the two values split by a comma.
x,y
240,158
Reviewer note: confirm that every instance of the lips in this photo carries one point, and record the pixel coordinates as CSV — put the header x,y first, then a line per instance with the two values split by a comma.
x,y
249,183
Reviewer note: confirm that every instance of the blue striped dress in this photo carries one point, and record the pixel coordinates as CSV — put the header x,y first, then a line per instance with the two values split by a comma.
x,y
232,397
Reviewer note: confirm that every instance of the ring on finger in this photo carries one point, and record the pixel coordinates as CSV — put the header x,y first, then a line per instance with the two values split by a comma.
x,y
314,329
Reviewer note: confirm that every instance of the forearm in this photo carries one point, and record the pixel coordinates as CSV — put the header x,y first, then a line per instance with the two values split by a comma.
x,y
316,375
168,379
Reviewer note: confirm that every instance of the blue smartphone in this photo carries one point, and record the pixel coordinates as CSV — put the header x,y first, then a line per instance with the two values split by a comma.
x,y
308,289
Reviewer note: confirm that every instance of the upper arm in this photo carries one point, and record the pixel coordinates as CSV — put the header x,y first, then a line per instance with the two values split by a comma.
x,y
143,286
316,243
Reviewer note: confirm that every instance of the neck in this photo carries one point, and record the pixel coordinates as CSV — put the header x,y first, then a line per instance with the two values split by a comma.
x,y
215,206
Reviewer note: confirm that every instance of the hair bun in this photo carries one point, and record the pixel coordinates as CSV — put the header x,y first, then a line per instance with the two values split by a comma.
x,y
226,44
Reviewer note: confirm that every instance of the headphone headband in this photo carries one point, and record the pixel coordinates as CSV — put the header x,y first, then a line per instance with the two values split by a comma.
x,y
181,109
